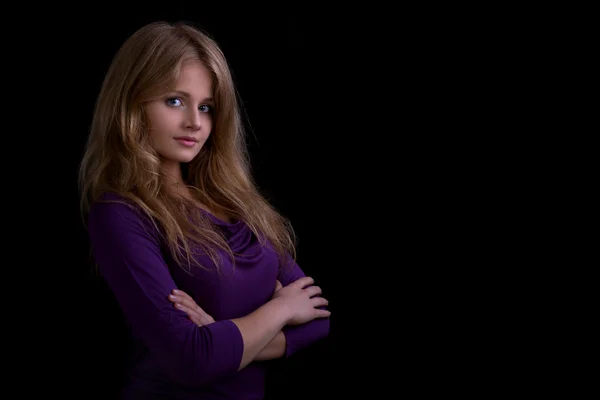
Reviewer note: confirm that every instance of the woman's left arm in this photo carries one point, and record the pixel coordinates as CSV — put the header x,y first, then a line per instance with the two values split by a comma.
x,y
289,340
295,338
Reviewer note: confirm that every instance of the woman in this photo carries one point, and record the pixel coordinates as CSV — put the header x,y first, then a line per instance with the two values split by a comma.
x,y
173,211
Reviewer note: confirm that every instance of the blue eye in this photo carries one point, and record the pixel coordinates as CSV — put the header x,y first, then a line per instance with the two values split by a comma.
x,y
174,102
205,108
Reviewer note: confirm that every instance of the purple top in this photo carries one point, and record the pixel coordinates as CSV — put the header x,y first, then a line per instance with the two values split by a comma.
x,y
176,358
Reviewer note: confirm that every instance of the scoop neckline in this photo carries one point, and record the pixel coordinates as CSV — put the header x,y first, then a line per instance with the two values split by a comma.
x,y
219,220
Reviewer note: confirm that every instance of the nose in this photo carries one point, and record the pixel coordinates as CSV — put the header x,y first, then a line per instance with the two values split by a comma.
x,y
193,121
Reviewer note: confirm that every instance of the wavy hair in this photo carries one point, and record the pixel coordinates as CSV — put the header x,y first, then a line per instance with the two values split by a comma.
x,y
118,157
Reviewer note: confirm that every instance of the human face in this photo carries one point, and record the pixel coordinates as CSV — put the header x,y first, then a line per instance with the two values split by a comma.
x,y
181,120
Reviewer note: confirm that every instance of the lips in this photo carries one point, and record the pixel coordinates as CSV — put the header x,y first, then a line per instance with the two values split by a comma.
x,y
187,141
187,138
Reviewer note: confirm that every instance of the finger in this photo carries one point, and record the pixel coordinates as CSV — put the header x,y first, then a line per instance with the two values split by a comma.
x,y
192,315
322,313
278,285
304,281
181,293
319,302
207,319
199,318
183,300
190,304
313,291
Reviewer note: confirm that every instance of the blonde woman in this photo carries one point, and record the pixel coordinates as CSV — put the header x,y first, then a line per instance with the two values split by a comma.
x,y
202,266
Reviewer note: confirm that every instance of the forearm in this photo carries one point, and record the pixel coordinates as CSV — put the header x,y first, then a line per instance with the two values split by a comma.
x,y
275,348
301,336
259,328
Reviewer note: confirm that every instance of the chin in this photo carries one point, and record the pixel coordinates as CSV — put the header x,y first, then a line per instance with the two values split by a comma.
x,y
185,160
184,156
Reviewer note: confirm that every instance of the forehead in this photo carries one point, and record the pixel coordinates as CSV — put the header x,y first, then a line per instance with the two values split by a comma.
x,y
195,79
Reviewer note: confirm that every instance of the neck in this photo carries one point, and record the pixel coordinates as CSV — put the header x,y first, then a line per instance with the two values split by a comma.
x,y
174,178
172,173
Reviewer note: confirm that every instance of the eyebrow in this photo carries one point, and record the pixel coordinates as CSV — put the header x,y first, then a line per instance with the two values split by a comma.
x,y
186,94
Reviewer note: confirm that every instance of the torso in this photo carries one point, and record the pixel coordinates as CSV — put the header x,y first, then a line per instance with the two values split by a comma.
x,y
234,291
220,215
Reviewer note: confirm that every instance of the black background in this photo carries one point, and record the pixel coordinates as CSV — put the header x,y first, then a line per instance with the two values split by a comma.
x,y
365,129
278,66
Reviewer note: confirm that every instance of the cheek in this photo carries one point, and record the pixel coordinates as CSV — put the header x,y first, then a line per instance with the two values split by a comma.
x,y
209,124
160,127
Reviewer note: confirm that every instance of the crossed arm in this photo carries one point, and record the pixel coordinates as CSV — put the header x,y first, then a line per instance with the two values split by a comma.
x,y
128,254
288,341
274,349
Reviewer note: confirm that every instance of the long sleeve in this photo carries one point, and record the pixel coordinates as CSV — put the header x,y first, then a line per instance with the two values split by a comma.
x,y
126,248
299,337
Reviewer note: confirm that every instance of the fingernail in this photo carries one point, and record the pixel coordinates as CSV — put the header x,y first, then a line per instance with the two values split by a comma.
x,y
175,291
172,297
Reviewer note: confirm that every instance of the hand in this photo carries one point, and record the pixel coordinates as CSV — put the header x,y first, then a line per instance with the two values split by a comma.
x,y
302,299
185,303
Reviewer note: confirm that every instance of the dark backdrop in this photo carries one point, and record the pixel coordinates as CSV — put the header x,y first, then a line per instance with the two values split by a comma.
x,y
322,101
274,65
366,130
285,68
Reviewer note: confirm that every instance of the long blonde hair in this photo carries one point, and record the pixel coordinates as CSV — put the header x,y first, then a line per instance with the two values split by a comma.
x,y
119,159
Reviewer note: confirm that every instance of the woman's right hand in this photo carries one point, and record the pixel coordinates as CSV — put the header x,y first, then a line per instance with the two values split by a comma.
x,y
302,299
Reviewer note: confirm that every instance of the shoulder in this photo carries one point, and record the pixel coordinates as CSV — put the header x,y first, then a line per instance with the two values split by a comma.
x,y
112,204
113,211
